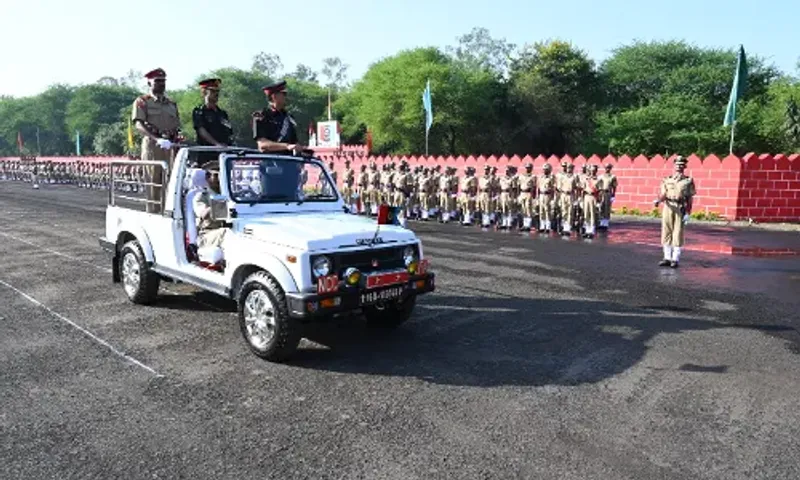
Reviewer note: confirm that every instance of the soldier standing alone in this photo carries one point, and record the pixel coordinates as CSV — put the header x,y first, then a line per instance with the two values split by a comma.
x,y
677,193
156,118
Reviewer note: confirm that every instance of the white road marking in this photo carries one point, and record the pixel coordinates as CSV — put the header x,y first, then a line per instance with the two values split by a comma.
x,y
89,334
98,267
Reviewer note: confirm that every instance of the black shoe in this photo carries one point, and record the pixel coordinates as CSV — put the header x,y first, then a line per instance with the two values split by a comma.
x,y
673,264
664,263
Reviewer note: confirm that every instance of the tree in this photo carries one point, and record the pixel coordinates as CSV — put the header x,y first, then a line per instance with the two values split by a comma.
x,y
304,73
267,64
554,92
478,50
93,106
388,100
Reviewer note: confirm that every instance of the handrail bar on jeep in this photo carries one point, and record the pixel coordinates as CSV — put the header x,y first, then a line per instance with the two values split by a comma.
x,y
155,163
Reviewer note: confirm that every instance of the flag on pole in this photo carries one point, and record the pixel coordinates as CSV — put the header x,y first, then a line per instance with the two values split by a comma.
x,y
78,143
428,105
130,135
20,143
369,140
739,87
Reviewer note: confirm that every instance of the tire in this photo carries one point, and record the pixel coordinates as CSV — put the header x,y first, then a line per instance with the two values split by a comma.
x,y
392,315
262,304
139,282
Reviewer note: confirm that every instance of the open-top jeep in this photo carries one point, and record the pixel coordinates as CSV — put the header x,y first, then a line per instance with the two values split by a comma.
x,y
291,251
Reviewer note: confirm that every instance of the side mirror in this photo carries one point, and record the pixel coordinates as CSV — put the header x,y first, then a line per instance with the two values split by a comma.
x,y
219,207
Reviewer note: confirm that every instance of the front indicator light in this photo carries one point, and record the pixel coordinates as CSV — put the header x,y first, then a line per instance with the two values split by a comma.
x,y
353,276
330,302
412,267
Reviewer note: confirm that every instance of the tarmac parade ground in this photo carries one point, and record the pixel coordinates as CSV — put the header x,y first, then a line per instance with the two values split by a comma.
x,y
535,358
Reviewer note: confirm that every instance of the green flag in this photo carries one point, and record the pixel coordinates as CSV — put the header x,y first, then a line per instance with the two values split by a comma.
x,y
739,87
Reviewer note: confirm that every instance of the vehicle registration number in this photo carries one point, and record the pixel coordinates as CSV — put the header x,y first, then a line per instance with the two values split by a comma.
x,y
368,298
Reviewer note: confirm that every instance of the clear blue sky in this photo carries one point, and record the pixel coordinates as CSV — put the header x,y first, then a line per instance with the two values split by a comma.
x,y
79,41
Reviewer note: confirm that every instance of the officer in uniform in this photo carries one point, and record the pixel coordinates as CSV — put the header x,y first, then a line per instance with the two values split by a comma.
x,y
348,184
274,130
546,185
373,191
590,188
211,123
677,194
156,118
506,200
467,195
485,195
362,187
567,183
608,189
210,233
526,182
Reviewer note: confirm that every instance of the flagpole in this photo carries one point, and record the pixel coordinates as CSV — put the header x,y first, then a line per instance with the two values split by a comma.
x,y
733,129
38,144
426,142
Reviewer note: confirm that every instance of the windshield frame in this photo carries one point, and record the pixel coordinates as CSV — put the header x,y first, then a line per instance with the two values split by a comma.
x,y
226,166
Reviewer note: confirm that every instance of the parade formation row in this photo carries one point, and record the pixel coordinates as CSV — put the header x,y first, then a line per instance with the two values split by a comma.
x,y
565,202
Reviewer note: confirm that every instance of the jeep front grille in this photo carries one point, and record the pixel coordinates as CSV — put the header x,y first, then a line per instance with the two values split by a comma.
x,y
365,260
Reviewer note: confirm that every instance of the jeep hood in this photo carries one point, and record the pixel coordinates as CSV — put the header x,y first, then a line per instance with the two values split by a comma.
x,y
322,231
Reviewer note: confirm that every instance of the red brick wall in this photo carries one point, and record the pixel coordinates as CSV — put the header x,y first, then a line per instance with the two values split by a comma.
x,y
763,187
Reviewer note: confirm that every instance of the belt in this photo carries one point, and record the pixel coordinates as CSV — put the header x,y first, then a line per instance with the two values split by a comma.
x,y
526,191
485,190
506,190
545,192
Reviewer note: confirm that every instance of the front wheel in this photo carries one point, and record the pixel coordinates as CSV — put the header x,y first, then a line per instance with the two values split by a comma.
x,y
264,319
391,315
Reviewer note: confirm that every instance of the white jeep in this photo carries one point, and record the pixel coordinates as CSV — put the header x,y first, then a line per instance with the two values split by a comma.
x,y
291,250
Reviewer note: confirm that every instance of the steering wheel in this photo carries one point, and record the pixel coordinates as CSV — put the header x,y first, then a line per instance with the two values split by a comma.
x,y
247,193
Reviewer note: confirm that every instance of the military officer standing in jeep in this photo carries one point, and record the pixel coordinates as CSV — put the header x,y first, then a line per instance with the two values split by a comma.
x,y
274,130
211,123
156,118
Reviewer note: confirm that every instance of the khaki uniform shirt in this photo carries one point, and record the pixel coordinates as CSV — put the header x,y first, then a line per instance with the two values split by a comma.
x,y
161,117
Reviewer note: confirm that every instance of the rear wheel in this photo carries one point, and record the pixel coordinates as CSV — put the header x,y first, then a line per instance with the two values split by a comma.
x,y
264,319
390,315
139,282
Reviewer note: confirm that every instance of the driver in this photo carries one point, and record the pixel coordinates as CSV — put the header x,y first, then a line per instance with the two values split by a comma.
x,y
210,233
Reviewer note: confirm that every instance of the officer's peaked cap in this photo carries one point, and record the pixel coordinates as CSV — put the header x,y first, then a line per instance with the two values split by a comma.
x,y
275,87
679,160
157,74
210,83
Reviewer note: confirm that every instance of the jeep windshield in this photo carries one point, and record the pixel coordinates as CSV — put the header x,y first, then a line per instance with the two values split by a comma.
x,y
278,180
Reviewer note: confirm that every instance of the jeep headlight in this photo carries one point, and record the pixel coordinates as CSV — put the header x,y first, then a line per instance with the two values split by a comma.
x,y
409,255
321,266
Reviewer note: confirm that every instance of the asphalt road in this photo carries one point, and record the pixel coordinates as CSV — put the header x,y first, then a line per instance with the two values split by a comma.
x,y
535,358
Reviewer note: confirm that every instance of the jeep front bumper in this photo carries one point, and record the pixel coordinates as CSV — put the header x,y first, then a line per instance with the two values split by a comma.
x,y
310,305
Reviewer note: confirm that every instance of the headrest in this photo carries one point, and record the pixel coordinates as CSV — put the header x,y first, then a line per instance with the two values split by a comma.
x,y
197,178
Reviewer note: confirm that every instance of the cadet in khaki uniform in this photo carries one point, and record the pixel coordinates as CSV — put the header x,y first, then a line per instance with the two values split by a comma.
x,y
608,189
589,187
156,118
362,186
467,195
506,199
448,183
545,186
677,194
526,183
373,191
348,183
401,182
485,195
424,184
567,184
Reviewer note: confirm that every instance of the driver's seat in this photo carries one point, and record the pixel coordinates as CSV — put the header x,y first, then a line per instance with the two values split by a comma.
x,y
208,257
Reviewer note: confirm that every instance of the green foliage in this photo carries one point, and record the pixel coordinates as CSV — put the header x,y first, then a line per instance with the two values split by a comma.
x,y
489,97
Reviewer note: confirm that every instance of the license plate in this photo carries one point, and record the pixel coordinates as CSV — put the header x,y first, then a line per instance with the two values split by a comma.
x,y
386,279
368,298
328,284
